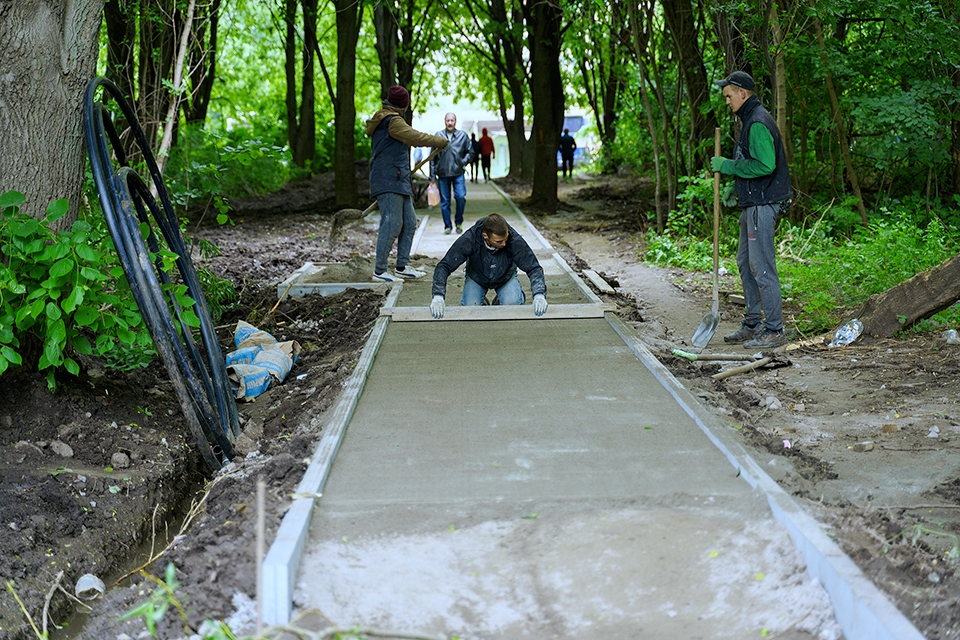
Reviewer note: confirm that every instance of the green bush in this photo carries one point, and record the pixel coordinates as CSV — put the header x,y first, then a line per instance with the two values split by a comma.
x,y
63,293
829,277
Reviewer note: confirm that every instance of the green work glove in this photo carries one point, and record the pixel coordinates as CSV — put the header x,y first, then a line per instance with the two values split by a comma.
x,y
716,164
730,198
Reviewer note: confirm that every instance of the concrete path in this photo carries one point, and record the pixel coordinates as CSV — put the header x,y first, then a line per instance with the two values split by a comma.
x,y
546,478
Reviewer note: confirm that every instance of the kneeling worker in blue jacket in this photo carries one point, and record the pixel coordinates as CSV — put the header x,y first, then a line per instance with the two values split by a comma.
x,y
493,251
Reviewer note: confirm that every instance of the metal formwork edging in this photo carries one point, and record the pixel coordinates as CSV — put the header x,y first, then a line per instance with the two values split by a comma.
x,y
283,559
860,608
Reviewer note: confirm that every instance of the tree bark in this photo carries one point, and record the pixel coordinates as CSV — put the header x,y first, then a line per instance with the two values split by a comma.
x,y
120,19
345,109
49,53
301,121
680,19
385,26
546,89
203,66
640,38
927,293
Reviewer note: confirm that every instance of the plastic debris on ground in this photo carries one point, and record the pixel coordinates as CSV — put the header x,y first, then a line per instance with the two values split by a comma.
x,y
258,361
847,333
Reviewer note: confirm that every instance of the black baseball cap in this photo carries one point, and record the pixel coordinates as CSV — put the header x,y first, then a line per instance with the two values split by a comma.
x,y
738,79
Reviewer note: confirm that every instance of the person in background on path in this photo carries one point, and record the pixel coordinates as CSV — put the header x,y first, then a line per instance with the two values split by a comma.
x,y
391,140
567,145
447,169
762,183
492,250
486,152
475,160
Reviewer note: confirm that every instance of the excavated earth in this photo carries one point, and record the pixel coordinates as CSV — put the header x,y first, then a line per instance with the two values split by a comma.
x,y
101,476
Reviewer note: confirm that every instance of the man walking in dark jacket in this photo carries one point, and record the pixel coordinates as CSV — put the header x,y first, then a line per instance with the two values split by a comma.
x,y
447,169
492,250
567,147
762,181
391,140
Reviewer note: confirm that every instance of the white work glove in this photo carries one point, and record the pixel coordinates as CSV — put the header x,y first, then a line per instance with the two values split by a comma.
x,y
539,304
436,307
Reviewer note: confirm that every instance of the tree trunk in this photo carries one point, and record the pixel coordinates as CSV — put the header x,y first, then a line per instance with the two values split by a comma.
x,y
301,122
385,26
640,40
838,118
203,66
345,109
119,16
546,89
899,307
49,53
158,36
680,19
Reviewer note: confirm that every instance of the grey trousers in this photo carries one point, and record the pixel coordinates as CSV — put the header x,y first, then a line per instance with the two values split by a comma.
x,y
756,260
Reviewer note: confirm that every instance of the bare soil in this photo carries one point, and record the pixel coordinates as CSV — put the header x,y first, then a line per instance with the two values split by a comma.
x,y
98,476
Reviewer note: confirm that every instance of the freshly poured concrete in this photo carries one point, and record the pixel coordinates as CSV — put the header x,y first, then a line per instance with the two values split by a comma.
x,y
547,478
517,479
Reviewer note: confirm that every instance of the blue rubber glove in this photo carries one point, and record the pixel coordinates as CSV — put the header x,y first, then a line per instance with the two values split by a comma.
x,y
539,304
436,307
716,164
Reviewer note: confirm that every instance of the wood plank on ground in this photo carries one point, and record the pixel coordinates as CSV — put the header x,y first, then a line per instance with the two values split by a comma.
x,y
496,312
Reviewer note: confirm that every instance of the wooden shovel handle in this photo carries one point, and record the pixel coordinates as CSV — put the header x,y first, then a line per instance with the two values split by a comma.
x,y
716,215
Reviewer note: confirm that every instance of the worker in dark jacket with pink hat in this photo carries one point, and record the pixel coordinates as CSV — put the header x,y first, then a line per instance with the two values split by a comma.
x,y
392,138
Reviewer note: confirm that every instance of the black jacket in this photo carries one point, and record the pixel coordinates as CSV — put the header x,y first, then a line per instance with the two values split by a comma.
x,y
490,269
765,189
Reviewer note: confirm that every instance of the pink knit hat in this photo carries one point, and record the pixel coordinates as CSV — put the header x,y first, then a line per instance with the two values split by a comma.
x,y
398,97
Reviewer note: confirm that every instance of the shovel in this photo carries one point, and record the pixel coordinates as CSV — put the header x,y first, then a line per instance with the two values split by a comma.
x,y
708,326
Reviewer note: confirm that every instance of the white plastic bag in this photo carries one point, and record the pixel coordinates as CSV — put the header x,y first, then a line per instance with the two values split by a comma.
x,y
433,195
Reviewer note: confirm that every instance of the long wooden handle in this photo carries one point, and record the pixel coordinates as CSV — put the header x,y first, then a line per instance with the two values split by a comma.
x,y
716,216
430,157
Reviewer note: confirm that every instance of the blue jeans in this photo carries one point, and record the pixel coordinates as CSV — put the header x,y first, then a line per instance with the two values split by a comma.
x,y
459,194
756,260
509,293
396,219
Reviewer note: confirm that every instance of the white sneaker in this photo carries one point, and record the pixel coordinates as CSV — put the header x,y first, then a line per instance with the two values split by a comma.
x,y
385,277
409,272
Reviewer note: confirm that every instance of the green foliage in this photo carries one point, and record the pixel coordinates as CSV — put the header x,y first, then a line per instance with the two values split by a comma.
x,y
829,276
213,163
62,292
155,607
688,241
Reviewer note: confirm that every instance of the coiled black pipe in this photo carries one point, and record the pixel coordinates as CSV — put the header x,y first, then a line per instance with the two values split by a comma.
x,y
197,370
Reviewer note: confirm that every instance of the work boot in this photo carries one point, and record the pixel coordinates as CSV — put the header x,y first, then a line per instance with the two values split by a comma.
x,y
744,333
766,339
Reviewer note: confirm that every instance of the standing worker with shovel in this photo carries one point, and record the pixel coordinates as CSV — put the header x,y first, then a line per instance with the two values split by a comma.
x,y
392,138
762,183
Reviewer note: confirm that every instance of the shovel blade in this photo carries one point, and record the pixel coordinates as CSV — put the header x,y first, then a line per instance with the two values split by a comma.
x,y
708,327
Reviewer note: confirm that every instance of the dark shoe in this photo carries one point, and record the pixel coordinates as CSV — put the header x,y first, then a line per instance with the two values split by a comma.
x,y
459,228
766,339
447,231
742,334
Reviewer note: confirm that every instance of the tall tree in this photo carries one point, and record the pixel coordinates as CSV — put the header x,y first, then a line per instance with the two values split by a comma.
x,y
681,21
544,20
349,14
49,53
495,33
301,121
599,53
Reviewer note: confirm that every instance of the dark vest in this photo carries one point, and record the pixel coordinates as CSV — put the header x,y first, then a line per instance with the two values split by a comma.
x,y
765,189
390,164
